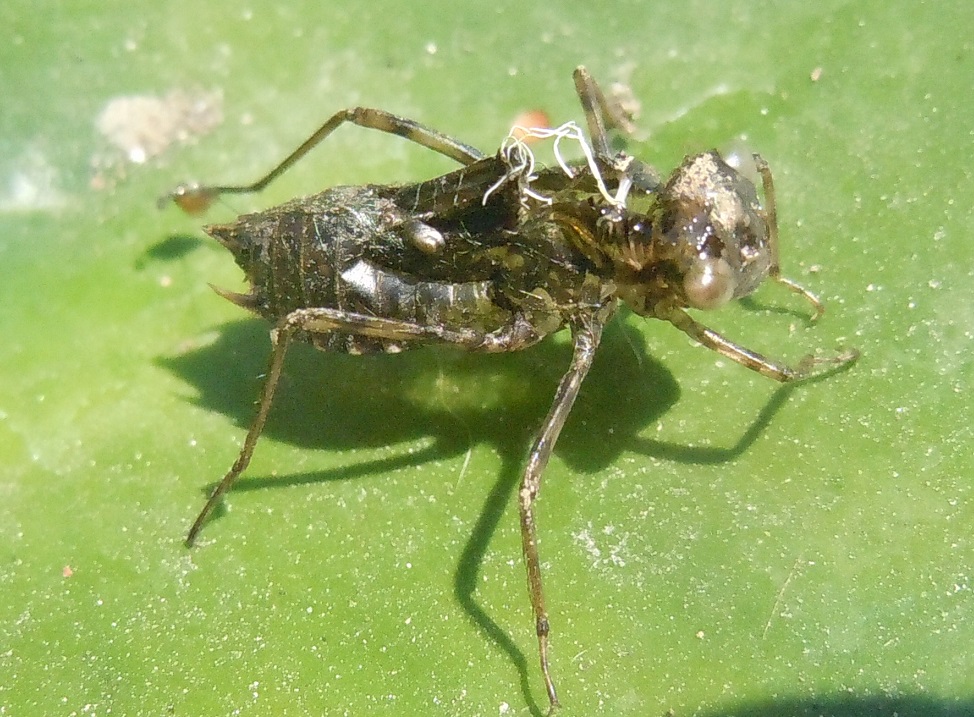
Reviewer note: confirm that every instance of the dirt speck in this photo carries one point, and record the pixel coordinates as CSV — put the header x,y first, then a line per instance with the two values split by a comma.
x,y
138,128
145,126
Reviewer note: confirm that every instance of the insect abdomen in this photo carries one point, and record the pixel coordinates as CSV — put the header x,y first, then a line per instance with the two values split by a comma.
x,y
324,251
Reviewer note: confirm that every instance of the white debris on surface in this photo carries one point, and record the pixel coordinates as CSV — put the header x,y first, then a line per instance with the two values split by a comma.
x,y
145,126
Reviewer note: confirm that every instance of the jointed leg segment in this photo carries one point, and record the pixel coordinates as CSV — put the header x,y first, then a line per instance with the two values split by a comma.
x,y
194,198
516,335
586,340
808,367
771,215
600,115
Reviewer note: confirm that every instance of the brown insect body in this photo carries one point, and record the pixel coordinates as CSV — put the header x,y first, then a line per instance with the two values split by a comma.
x,y
384,251
494,257
390,252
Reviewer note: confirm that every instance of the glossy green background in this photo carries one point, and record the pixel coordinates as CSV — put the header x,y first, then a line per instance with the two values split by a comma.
x,y
714,545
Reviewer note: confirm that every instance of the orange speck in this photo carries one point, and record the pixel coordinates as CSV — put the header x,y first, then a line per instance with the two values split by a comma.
x,y
530,119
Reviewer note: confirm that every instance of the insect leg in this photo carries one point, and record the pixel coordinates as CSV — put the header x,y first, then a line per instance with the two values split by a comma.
x,y
808,367
280,339
771,216
518,334
600,115
586,339
597,110
193,198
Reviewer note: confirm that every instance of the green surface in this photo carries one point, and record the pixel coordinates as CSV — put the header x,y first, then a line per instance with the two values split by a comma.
x,y
714,545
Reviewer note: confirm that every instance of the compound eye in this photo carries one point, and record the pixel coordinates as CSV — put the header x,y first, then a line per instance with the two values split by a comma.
x,y
709,284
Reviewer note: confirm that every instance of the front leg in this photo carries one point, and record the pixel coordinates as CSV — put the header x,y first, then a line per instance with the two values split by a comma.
x,y
809,367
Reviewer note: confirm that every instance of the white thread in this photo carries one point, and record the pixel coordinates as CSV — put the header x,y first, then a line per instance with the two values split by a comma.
x,y
520,159
572,131
521,163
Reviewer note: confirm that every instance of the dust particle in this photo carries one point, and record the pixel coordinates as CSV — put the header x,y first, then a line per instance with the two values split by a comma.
x,y
145,126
